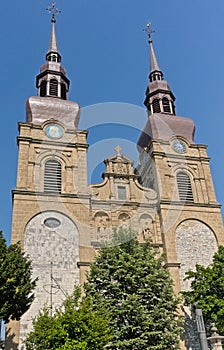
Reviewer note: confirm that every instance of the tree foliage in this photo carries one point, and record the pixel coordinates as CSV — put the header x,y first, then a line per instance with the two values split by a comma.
x,y
129,282
207,290
74,326
16,283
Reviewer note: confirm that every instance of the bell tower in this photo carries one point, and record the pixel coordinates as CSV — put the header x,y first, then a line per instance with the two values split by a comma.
x,y
178,169
51,200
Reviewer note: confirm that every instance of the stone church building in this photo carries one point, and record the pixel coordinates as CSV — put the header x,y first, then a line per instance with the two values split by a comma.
x,y
61,219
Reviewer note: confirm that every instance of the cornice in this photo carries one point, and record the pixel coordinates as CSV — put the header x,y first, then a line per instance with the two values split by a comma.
x,y
53,195
49,121
178,156
186,204
116,203
49,142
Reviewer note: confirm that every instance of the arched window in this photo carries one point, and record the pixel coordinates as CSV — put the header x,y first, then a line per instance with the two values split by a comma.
x,y
166,105
53,87
63,91
184,187
156,106
43,88
52,176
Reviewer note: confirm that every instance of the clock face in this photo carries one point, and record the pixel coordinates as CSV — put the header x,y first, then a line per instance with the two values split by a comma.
x,y
54,131
179,146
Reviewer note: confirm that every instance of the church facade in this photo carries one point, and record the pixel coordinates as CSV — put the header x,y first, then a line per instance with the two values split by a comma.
x,y
61,219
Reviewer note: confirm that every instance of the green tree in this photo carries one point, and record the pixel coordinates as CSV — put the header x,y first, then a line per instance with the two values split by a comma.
x,y
74,326
16,285
128,280
207,290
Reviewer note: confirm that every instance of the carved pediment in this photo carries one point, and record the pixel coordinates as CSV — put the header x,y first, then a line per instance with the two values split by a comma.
x,y
119,164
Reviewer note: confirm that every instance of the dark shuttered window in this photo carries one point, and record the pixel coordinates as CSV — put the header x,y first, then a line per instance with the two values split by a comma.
x,y
166,105
53,87
43,88
63,91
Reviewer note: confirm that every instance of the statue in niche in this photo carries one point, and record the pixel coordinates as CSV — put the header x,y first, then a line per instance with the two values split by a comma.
x,y
146,230
124,221
102,226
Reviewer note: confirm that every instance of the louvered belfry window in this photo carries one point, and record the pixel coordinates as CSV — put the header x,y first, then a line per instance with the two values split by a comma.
x,y
184,187
166,105
53,87
63,91
156,106
52,176
43,88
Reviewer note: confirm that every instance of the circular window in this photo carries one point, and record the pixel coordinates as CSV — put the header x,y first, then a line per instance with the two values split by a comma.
x,y
52,222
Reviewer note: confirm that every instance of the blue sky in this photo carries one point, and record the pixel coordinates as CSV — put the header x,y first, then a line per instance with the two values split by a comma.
x,y
106,56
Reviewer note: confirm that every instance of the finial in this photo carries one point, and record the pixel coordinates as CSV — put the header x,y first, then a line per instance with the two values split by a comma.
x,y
53,10
118,149
149,31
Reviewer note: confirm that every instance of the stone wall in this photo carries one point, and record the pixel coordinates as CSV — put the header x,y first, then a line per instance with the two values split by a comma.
x,y
195,244
51,240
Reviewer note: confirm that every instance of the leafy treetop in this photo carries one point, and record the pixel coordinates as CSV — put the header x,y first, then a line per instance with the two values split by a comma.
x,y
128,282
16,285
74,326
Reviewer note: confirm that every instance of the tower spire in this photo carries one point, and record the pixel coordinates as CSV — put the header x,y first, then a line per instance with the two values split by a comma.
x,y
159,97
155,71
53,52
52,87
52,80
53,46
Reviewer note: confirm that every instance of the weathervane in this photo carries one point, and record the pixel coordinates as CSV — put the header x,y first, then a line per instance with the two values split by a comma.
x,y
148,31
53,10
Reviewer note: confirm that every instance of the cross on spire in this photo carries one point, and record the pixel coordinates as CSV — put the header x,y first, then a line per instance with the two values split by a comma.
x,y
148,30
53,10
